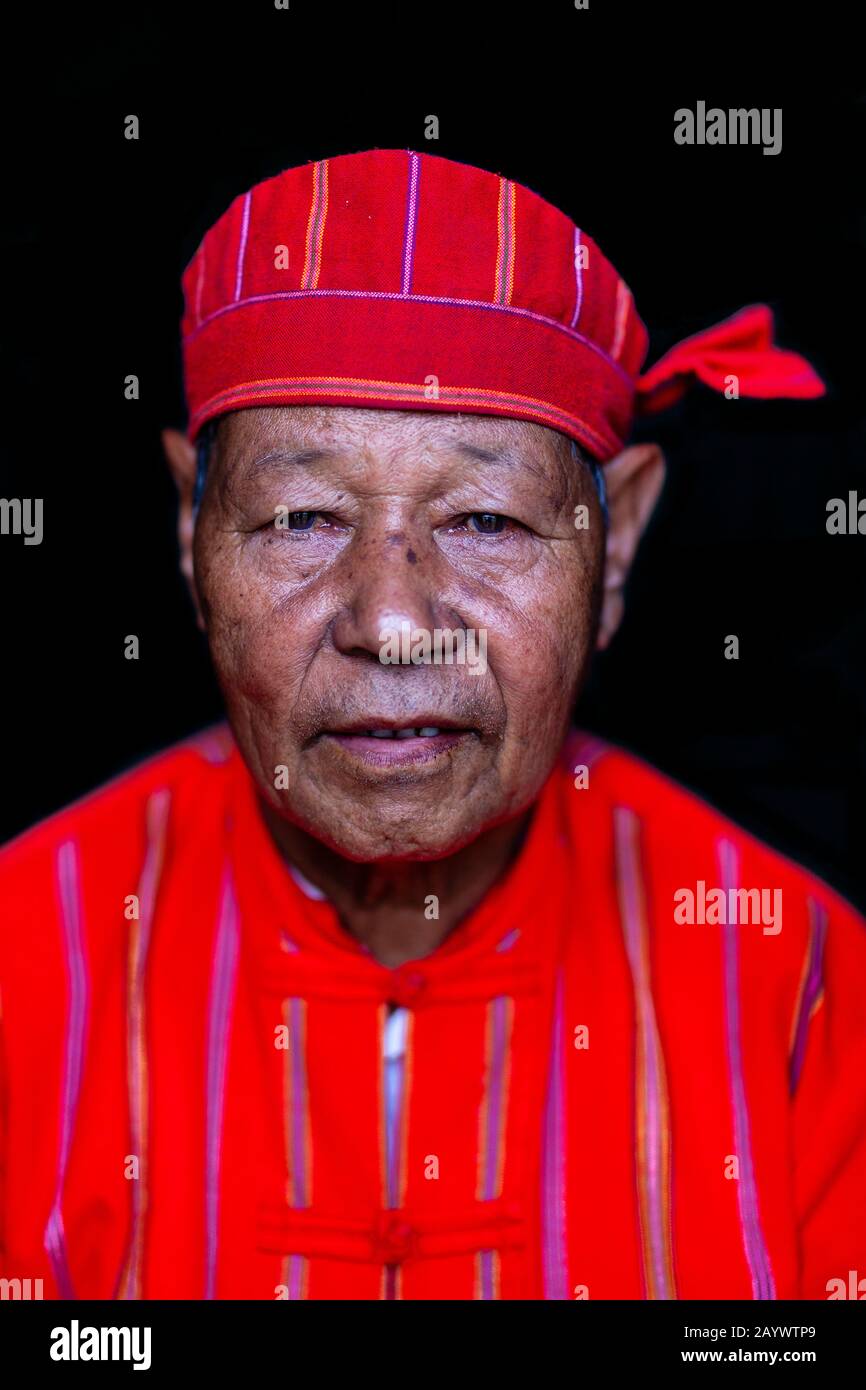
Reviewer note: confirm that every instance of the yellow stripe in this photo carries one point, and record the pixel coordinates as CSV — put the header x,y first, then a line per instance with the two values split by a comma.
x,y
505,234
316,226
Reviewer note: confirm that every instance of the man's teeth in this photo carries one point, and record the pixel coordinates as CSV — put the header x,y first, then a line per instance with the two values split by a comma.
x,y
427,732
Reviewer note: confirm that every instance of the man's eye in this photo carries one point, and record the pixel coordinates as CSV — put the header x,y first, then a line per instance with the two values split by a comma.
x,y
295,521
487,523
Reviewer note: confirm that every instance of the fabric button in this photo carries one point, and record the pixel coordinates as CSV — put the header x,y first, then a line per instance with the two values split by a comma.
x,y
395,1239
408,985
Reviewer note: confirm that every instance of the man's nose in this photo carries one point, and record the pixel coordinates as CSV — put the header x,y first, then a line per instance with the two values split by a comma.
x,y
389,582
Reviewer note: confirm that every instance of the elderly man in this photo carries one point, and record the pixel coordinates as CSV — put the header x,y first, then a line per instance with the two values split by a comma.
x,y
401,988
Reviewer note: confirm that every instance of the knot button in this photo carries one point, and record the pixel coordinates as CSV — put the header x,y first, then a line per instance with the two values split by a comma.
x,y
396,1239
407,987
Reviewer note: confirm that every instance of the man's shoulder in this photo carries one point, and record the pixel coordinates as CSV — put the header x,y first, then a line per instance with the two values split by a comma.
x,y
677,824
111,821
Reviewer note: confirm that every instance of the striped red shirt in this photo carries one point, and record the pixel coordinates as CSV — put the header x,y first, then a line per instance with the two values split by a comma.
x,y
595,1098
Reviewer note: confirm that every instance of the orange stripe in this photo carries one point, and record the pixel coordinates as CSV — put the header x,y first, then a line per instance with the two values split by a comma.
x,y
505,234
316,226
137,1067
496,1275
359,388
623,301
655,1208
500,1097
293,1182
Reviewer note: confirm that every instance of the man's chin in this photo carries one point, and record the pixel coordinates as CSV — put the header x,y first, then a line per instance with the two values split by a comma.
x,y
391,801
369,833
389,848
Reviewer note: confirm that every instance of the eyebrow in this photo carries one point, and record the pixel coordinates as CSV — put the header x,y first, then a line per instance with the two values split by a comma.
x,y
285,458
481,455
279,460
513,460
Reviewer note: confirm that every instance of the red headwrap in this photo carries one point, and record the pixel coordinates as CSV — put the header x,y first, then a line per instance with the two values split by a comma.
x,y
409,282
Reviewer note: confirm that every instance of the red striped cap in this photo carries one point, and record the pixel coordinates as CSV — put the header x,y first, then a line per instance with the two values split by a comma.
x,y
410,282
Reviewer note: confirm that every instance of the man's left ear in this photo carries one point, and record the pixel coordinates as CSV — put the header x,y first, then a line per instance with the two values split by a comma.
x,y
633,481
182,460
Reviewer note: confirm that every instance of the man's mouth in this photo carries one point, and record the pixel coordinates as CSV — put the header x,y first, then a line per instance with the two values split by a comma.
x,y
390,744
429,731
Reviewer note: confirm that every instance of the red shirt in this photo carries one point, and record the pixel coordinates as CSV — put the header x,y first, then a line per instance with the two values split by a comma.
x,y
598,1100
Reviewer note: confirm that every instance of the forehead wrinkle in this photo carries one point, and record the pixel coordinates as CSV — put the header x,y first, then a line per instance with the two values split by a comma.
x,y
367,436
283,460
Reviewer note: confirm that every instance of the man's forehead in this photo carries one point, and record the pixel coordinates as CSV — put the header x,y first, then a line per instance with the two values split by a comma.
x,y
259,438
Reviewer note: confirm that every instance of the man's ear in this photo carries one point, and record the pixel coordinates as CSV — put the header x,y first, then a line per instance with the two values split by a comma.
x,y
182,462
633,481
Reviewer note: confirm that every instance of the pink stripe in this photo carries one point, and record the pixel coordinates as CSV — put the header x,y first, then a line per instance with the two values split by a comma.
x,y
578,279
199,286
243,246
213,744
763,1286
296,1277
67,869
223,976
411,219
296,1105
298,1035
812,989
554,1216
485,1260
509,939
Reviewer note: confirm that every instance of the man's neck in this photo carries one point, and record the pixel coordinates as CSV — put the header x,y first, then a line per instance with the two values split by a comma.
x,y
403,911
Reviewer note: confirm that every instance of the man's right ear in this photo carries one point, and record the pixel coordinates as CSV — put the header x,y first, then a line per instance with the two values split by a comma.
x,y
182,459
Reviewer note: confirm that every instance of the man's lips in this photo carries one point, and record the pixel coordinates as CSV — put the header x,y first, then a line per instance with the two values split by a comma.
x,y
425,725
390,743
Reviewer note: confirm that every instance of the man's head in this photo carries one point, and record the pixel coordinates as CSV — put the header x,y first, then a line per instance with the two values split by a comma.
x,y
324,528
411,364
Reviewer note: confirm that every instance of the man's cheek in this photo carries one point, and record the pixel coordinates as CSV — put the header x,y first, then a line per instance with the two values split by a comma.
x,y
246,650
538,659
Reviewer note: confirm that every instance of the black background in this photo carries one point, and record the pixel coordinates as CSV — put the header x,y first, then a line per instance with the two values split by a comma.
x,y
579,106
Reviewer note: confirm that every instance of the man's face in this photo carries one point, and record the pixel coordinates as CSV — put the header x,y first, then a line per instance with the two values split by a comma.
x,y
321,531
